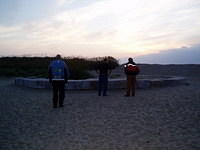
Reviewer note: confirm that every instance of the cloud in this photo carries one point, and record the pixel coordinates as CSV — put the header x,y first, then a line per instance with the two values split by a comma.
x,y
115,26
183,55
62,2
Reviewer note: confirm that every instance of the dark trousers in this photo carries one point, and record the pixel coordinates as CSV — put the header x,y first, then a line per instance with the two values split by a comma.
x,y
103,85
131,83
58,92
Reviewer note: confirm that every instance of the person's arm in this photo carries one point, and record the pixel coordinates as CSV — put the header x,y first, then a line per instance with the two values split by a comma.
x,y
67,74
125,65
50,74
138,70
97,69
109,69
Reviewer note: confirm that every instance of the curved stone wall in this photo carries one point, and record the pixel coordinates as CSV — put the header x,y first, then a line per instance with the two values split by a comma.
x,y
90,84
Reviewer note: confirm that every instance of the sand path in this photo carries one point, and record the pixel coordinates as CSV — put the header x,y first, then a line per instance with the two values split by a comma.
x,y
156,119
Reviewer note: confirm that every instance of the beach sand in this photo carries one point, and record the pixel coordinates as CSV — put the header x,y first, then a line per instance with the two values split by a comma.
x,y
165,118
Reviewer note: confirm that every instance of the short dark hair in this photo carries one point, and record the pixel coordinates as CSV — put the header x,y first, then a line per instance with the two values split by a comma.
x,y
58,56
130,59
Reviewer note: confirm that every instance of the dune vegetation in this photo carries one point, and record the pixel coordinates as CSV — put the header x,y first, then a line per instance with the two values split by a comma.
x,y
38,66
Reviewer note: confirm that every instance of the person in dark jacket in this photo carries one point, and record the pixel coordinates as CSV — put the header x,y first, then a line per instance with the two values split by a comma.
x,y
103,70
58,76
131,70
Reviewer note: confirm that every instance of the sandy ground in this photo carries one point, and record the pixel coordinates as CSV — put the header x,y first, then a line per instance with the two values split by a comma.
x,y
155,119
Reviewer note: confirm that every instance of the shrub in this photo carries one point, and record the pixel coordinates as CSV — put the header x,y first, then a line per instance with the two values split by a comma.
x,y
37,66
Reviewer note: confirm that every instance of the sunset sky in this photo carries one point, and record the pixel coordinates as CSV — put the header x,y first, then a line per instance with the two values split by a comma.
x,y
91,28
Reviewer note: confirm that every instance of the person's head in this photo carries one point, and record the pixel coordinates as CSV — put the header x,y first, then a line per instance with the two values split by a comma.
x,y
58,56
130,59
105,59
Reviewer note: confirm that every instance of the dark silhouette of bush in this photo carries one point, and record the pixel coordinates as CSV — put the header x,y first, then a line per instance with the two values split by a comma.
x,y
113,63
24,66
78,67
37,66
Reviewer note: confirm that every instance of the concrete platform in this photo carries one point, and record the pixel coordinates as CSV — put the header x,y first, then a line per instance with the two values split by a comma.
x,y
90,84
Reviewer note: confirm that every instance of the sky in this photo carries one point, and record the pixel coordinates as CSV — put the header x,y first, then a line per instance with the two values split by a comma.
x,y
184,55
92,28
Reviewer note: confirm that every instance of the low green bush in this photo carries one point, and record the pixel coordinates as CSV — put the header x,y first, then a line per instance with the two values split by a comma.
x,y
38,66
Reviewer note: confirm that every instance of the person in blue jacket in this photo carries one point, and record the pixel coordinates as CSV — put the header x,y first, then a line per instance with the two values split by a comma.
x,y
58,76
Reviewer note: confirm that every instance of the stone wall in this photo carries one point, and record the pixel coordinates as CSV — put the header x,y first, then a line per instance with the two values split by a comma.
x,y
90,84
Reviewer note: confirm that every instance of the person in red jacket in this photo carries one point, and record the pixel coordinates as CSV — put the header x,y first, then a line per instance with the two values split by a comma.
x,y
131,70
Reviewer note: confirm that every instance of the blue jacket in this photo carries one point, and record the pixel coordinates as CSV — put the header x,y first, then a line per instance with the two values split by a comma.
x,y
58,70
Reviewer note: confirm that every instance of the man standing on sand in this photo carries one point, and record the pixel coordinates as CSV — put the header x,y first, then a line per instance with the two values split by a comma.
x,y
131,70
58,76
103,70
